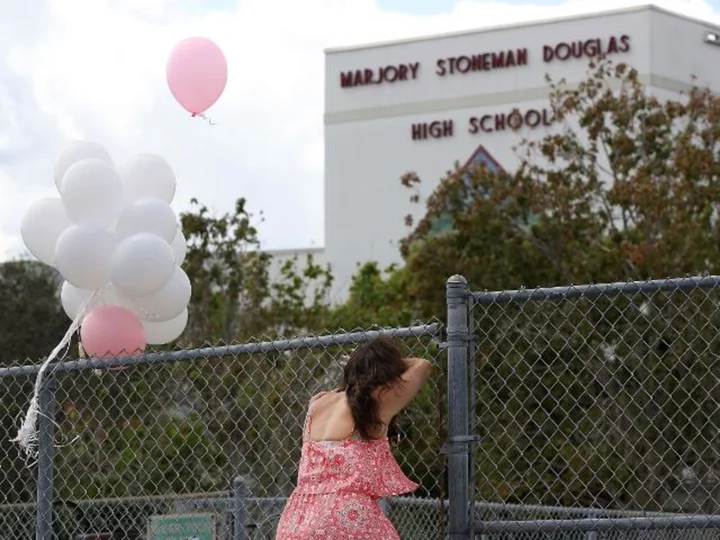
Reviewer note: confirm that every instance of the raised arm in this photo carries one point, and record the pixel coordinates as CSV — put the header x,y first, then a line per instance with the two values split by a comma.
x,y
395,398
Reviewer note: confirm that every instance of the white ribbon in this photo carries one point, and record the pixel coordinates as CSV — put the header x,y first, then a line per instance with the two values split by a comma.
x,y
27,436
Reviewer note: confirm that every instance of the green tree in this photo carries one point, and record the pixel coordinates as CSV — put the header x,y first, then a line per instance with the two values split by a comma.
x,y
377,298
625,188
32,318
233,294
32,322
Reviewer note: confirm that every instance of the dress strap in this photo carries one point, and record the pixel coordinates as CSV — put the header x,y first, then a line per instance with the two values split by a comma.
x,y
308,425
308,417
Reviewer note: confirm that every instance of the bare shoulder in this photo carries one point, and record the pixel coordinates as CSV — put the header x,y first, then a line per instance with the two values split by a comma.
x,y
319,396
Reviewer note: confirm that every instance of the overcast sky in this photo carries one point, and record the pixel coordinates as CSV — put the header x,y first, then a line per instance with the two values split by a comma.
x,y
95,69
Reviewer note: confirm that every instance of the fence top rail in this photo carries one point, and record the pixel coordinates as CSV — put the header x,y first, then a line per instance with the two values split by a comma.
x,y
119,501
575,511
280,345
596,290
217,498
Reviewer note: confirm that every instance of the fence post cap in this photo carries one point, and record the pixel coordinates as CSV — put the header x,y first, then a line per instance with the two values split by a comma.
x,y
457,279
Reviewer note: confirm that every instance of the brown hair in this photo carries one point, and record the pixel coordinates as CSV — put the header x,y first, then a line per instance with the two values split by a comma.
x,y
375,364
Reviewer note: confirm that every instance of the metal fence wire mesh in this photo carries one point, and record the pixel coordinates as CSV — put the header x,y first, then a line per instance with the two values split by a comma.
x,y
597,402
202,435
594,414
17,481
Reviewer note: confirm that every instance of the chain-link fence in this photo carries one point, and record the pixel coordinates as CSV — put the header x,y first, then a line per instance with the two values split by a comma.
x,y
571,413
200,444
595,411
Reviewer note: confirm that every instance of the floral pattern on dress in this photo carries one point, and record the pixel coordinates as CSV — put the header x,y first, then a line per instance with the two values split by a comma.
x,y
339,484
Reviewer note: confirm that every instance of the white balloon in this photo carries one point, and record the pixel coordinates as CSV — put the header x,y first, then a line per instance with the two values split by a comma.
x,y
148,176
83,253
41,227
77,151
91,192
73,299
142,265
162,333
168,302
110,296
149,216
179,247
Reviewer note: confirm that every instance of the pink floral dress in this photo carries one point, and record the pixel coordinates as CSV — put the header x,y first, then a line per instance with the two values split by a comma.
x,y
339,484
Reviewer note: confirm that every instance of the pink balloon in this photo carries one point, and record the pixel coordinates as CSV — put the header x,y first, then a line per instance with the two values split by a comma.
x,y
110,331
197,74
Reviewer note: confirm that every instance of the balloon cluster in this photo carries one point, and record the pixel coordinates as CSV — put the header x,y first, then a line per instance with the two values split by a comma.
x,y
117,243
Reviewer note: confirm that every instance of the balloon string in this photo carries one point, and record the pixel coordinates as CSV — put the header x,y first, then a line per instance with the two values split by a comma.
x,y
206,118
27,436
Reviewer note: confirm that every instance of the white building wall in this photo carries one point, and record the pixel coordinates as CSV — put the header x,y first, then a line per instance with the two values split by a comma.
x,y
680,53
369,127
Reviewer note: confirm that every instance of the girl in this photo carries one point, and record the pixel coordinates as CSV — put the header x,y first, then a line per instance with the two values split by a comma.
x,y
346,464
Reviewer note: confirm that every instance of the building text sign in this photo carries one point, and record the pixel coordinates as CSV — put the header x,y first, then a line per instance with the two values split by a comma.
x,y
513,120
487,61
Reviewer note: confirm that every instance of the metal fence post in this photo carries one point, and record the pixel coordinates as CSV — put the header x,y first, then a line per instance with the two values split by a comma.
x,y
46,454
239,508
473,420
458,335
384,506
